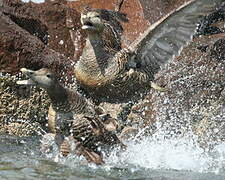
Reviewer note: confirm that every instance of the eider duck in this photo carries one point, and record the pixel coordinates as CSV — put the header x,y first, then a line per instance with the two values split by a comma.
x,y
70,114
109,73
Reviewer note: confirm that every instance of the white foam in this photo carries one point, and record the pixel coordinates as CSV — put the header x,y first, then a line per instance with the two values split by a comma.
x,y
176,153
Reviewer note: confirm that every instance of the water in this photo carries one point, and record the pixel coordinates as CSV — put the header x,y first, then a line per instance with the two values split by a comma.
x,y
153,158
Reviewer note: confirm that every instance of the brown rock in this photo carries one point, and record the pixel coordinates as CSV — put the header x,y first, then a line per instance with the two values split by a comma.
x,y
154,10
24,36
218,49
57,24
16,45
23,110
55,14
140,12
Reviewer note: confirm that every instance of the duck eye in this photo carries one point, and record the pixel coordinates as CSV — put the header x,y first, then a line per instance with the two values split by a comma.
x,y
49,75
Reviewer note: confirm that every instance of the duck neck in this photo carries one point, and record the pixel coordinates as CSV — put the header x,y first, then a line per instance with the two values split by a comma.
x,y
96,44
57,94
94,59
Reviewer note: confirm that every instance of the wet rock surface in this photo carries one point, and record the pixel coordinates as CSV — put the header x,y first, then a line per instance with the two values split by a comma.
x,y
23,110
49,35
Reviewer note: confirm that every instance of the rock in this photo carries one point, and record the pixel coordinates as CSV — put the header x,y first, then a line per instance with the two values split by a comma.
x,y
24,42
154,10
55,25
218,49
23,110
58,17
23,129
25,34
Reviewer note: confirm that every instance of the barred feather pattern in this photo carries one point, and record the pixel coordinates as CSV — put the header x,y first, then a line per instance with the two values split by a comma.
x,y
111,39
90,131
73,103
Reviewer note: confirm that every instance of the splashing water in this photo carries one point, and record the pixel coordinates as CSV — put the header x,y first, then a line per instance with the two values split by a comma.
x,y
155,157
176,153
159,153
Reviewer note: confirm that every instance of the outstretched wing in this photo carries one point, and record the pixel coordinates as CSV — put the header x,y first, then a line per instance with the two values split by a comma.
x,y
166,38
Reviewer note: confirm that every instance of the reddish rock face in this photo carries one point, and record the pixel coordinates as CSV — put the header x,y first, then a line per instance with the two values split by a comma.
x,y
54,15
36,35
32,30
141,13
155,9
17,46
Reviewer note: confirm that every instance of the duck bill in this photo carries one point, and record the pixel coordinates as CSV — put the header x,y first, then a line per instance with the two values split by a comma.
x,y
86,27
28,73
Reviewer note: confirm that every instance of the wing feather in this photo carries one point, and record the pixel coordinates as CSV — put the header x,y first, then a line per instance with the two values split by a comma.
x,y
166,38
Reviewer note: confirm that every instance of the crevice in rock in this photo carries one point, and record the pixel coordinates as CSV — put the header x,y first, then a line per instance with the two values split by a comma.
x,y
33,26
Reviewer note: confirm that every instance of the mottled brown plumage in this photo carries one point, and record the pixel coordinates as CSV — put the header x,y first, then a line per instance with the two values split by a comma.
x,y
70,114
109,73
64,102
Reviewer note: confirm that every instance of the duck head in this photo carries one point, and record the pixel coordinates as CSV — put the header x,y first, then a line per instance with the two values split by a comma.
x,y
43,78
